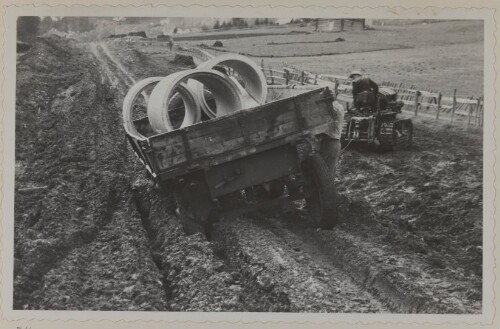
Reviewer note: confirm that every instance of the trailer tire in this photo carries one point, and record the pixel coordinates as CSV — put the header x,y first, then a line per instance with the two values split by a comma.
x,y
321,196
190,228
189,225
194,204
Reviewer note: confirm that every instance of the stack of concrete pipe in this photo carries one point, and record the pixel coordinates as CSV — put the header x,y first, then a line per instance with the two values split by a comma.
x,y
192,86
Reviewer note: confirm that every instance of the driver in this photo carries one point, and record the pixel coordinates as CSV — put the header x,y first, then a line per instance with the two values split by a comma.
x,y
364,91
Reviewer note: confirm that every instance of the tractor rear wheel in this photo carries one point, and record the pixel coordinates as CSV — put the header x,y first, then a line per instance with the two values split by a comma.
x,y
396,135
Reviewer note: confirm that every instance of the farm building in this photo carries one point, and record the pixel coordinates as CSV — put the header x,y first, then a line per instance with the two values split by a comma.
x,y
340,24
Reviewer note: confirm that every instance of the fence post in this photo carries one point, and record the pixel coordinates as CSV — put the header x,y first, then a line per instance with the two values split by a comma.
x,y
470,113
481,111
271,74
438,105
476,114
287,77
454,104
316,79
336,87
417,93
302,77
262,63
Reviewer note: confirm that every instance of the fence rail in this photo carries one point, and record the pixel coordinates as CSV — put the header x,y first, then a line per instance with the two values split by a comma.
x,y
417,99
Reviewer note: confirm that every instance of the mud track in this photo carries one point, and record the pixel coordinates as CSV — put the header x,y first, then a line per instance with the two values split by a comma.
x,y
104,237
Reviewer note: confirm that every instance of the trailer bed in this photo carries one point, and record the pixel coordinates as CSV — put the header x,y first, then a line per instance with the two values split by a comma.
x,y
234,136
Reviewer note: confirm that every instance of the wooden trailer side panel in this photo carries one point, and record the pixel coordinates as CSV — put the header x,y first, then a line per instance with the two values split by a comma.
x,y
239,134
210,140
276,121
315,114
168,151
242,129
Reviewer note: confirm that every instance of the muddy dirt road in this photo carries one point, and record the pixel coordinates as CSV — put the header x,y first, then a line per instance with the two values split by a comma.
x,y
102,237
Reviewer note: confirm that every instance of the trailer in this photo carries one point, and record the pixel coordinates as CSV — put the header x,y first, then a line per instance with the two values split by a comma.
x,y
272,148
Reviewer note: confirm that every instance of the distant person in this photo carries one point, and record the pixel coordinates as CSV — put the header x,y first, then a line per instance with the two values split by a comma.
x,y
364,91
330,143
329,148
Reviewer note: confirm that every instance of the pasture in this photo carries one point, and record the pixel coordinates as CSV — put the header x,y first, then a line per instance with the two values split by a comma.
x,y
439,56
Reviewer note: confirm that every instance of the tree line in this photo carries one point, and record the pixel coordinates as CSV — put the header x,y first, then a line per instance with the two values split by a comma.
x,y
241,23
29,27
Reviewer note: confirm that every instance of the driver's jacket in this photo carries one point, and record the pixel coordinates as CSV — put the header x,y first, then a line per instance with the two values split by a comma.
x,y
364,84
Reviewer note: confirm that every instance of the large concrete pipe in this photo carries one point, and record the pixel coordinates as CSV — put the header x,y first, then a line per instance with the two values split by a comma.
x,y
226,94
128,104
254,81
192,109
209,108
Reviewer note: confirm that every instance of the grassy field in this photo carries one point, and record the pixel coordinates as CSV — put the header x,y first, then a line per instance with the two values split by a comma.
x,y
242,33
441,68
323,48
439,56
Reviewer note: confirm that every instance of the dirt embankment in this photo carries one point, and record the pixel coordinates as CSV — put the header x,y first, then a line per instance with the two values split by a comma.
x,y
100,236
79,244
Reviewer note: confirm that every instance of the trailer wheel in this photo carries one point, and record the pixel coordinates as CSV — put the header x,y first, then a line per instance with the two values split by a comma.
x,y
194,206
321,194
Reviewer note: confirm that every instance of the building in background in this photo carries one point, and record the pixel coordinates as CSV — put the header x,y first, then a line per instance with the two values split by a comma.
x,y
340,24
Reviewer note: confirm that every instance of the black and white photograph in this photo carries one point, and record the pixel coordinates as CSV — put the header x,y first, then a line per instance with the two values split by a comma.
x,y
276,164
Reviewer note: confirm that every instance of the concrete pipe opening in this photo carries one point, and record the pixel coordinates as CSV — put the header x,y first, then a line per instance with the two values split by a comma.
x,y
226,95
130,101
183,107
254,85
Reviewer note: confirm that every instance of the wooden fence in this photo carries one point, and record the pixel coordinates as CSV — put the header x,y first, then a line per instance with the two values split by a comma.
x,y
416,99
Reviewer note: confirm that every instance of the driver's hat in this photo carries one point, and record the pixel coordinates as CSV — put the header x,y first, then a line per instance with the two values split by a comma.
x,y
354,73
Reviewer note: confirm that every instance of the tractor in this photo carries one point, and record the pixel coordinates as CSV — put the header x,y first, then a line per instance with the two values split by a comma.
x,y
378,125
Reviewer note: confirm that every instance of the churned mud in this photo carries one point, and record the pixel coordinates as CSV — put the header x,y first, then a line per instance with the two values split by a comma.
x,y
93,233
